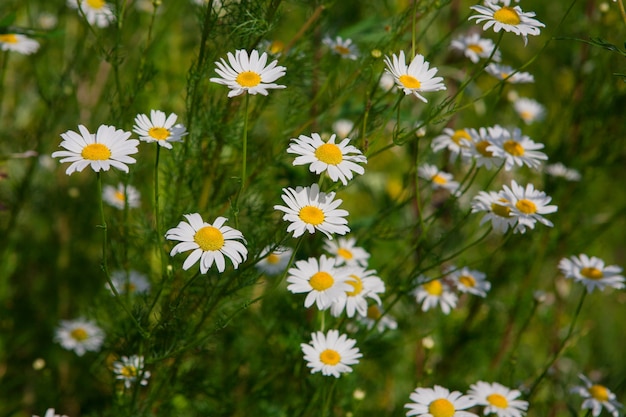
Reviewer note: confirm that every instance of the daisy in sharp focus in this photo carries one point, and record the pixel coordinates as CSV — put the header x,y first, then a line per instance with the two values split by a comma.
x,y
130,369
474,47
592,272
529,110
343,48
498,399
108,147
97,12
248,74
309,209
415,78
528,205
365,284
508,74
79,335
323,282
51,413
470,281
330,353
346,252
438,179
157,128
338,160
596,397
507,18
497,209
435,292
121,195
209,243
517,150
439,402
455,141
18,43
273,262
131,282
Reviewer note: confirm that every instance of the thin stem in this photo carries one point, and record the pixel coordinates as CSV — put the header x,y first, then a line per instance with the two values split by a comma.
x,y
413,29
622,10
156,194
245,144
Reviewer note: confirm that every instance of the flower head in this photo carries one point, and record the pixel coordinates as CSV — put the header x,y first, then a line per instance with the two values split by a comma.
x,y
131,282
456,141
364,284
515,149
474,47
414,78
248,74
479,147
497,209
559,170
435,292
343,48
130,369
18,43
346,251
529,110
97,12
330,353
79,335
274,261
528,205
108,147
438,179
439,402
508,74
121,195
507,18
592,272
157,128
470,281
498,399
597,396
209,243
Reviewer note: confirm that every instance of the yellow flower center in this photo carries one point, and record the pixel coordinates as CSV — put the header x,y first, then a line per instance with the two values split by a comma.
x,y
526,115
8,38
330,357
508,16
482,146
500,210
345,254
272,259
96,152
311,215
438,179
467,280
476,48
373,312
342,50
119,196
599,393
514,148
441,408
276,47
159,133
248,79
434,288
79,334
357,284
130,287
504,75
209,238
128,371
460,135
96,4
321,281
409,81
329,153
591,272
526,206
498,400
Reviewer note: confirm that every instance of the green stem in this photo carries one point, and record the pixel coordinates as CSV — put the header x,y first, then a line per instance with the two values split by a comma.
x,y
245,144
156,194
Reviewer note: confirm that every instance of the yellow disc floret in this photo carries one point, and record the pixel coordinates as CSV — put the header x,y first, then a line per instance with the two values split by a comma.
x,y
508,16
329,153
591,273
321,281
248,79
441,408
159,133
96,152
409,81
498,400
79,334
209,238
311,215
526,206
434,287
330,357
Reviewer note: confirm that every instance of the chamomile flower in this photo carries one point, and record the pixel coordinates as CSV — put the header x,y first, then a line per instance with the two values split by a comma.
x,y
474,47
18,43
365,284
507,18
497,209
121,195
108,147
157,128
528,205
346,252
248,74
308,209
508,74
338,160
456,141
438,179
330,353
131,282
209,243
273,262
415,78
79,335
529,110
435,292
470,281
376,317
130,369
343,48
479,151
323,282
97,12
597,396
561,171
498,399
51,413
439,402
592,272
517,149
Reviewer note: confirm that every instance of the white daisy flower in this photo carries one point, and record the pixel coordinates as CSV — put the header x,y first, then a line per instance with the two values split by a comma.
x,y
439,402
131,282
338,160
249,75
560,170
435,292
18,43
507,18
507,73
375,316
498,399
343,48
415,78
470,281
478,148
97,12
528,205
157,128
529,110
517,149
474,47
387,81
365,284
130,369
273,262
346,252
597,396
209,243
323,282
308,209
108,147
330,353
79,335
457,142
592,272
497,210
438,179
120,195
51,413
